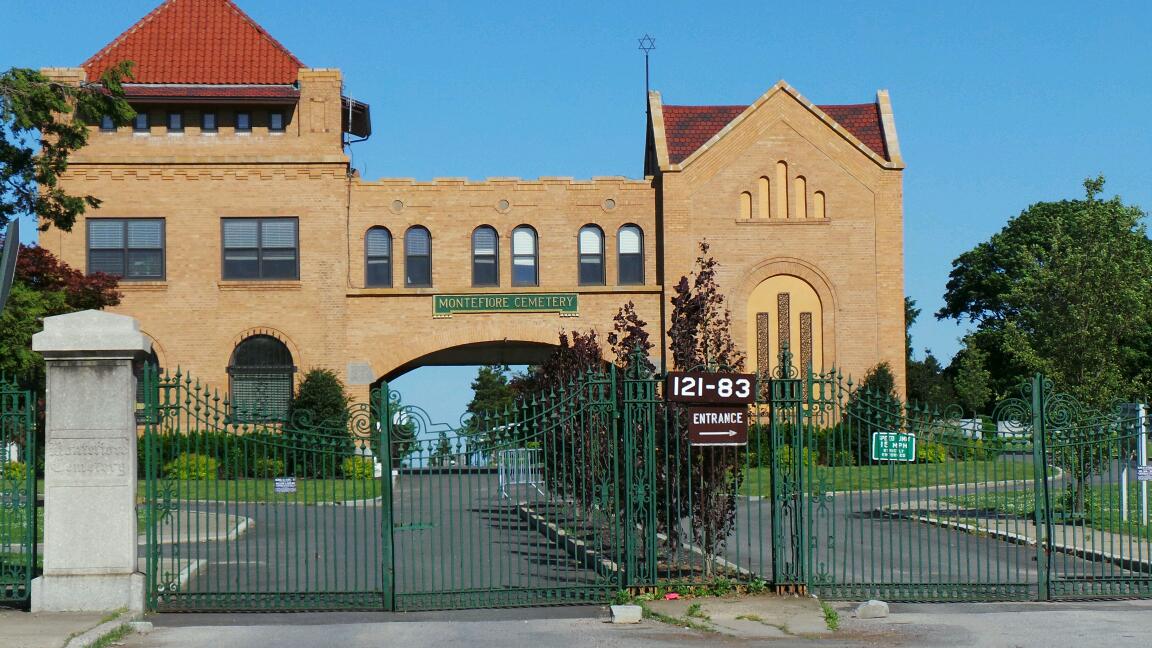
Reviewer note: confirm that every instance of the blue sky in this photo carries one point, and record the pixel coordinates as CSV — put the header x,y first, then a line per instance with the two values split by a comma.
x,y
998,104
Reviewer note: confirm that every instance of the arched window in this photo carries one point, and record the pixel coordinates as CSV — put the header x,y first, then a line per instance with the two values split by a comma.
x,y
630,247
260,376
417,257
591,256
152,363
378,257
524,257
485,266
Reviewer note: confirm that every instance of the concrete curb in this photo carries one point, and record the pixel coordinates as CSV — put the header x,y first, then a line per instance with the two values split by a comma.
x,y
1131,564
96,634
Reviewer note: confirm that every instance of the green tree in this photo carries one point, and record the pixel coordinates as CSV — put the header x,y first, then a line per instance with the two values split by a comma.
x,y
442,453
317,425
1064,289
42,122
925,381
44,286
873,406
704,481
973,381
492,397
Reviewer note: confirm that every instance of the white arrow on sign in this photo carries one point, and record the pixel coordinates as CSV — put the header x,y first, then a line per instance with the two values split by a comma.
x,y
727,433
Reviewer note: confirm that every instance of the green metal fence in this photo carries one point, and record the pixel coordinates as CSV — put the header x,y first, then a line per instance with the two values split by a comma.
x,y
260,514
1025,504
577,493
18,513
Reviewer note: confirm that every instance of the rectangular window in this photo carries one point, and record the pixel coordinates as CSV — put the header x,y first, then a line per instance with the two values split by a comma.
x,y
132,249
106,124
260,248
140,122
175,122
208,122
243,122
276,122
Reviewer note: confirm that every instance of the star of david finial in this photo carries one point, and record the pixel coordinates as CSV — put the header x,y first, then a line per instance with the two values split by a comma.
x,y
647,44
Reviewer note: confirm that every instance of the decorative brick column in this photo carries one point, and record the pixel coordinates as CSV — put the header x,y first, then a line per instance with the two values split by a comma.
x,y
90,546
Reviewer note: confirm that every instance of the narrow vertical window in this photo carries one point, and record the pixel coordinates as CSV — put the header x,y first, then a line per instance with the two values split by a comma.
x,y
106,124
140,122
485,268
243,122
378,258
630,245
763,199
417,257
524,257
819,208
208,122
591,256
781,190
800,195
175,122
276,122
745,206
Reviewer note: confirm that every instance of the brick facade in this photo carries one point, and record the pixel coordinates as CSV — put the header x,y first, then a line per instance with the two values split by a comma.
x,y
850,252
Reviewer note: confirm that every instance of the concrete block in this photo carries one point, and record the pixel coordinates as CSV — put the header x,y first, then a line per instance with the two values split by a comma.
x,y
872,610
141,627
627,613
88,593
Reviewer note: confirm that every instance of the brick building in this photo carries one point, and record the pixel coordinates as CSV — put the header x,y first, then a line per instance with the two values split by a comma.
x,y
250,250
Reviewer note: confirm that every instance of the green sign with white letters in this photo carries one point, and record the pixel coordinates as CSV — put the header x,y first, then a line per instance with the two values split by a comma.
x,y
893,446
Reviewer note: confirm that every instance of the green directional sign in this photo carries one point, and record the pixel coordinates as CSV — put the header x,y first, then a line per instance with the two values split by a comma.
x,y
893,446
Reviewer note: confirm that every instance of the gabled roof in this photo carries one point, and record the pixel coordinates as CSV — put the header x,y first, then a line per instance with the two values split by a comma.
x,y
687,128
199,42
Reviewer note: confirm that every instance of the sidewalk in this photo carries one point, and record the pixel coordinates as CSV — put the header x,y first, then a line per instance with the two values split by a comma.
x,y
47,630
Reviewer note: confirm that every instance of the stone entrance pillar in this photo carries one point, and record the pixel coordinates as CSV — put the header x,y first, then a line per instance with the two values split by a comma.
x,y
90,550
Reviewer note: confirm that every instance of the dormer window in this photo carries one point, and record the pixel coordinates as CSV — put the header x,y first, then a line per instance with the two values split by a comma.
x,y
243,122
175,122
106,124
140,123
208,122
276,122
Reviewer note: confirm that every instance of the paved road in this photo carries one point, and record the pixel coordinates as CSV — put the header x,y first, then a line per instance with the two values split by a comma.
x,y
453,532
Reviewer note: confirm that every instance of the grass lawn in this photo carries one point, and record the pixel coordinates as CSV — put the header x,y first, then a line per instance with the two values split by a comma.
x,y
758,481
308,491
1103,504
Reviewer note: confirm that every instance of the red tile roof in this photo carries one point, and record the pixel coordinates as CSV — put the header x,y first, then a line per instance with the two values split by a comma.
x,y
199,42
687,128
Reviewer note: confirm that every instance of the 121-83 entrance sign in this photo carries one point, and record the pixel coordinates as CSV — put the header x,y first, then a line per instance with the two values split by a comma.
x,y
710,388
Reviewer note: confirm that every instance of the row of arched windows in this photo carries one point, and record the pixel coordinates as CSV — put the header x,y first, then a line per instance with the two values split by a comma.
x,y
525,253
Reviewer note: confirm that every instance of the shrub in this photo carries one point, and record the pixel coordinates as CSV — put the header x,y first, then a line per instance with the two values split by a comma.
x,y
931,452
268,467
358,468
192,467
317,425
14,470
786,459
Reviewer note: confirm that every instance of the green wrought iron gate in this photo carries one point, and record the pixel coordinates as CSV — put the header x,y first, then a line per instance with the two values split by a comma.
x,y
577,493
1038,501
18,513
